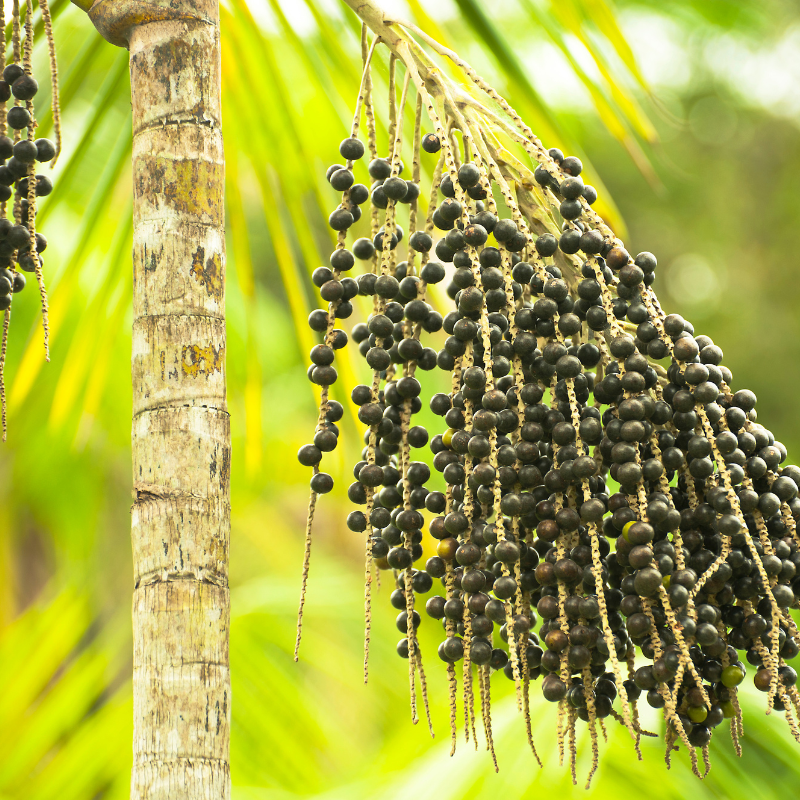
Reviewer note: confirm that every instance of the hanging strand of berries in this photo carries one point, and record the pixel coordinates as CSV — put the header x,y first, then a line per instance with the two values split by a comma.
x,y
566,379
20,243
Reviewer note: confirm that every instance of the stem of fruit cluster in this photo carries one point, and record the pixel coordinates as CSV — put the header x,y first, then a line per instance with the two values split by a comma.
x,y
400,43
374,17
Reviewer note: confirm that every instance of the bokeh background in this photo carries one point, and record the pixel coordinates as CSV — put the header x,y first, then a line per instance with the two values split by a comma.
x,y
687,116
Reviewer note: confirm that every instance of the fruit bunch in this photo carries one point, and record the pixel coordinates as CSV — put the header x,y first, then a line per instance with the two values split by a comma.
x,y
613,523
20,152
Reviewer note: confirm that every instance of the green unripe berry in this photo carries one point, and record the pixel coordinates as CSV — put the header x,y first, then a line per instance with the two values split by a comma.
x,y
732,676
697,714
728,709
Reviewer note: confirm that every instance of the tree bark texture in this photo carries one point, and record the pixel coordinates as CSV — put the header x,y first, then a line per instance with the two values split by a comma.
x,y
180,432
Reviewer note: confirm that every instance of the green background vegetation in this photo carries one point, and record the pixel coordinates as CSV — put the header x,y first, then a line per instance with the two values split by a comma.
x,y
687,115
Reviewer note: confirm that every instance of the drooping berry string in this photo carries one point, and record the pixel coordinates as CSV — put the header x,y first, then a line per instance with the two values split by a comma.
x,y
358,521
54,101
29,211
20,244
3,350
15,31
411,351
394,188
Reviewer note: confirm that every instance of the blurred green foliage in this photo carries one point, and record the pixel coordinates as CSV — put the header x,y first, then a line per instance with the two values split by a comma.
x,y
687,114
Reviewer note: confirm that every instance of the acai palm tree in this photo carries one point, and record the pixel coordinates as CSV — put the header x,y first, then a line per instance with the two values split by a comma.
x,y
215,696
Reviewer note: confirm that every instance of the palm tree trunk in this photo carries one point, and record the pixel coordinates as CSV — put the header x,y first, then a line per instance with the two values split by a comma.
x,y
181,432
